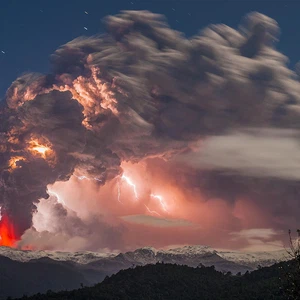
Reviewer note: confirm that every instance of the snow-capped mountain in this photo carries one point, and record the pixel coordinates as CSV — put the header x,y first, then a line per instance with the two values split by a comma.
x,y
190,255
82,257
255,259
23,272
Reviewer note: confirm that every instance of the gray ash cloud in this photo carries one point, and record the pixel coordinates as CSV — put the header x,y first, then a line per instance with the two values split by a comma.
x,y
141,90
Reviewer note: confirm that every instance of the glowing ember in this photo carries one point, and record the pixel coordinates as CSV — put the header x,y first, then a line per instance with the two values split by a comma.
x,y
13,162
38,149
8,236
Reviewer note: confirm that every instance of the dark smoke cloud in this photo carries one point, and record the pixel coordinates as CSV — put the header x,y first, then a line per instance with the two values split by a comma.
x,y
142,90
56,118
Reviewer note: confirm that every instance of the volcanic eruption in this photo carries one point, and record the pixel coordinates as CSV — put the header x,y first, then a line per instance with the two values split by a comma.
x,y
8,234
106,137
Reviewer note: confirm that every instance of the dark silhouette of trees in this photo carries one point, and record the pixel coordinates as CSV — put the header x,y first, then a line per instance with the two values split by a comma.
x,y
169,281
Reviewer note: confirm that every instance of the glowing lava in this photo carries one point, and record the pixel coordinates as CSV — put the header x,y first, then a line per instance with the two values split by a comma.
x,y
8,236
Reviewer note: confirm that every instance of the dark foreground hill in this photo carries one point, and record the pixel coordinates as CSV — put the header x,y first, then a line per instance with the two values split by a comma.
x,y
17,278
43,274
168,281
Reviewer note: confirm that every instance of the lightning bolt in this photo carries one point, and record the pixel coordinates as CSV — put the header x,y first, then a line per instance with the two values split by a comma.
x,y
161,201
133,186
152,211
119,192
82,177
130,183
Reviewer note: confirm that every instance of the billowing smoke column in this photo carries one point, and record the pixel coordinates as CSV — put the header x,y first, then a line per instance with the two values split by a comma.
x,y
141,90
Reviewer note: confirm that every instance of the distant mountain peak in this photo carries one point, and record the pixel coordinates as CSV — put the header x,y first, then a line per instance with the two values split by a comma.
x,y
186,254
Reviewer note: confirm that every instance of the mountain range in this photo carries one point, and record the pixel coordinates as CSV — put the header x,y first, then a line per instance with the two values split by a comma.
x,y
29,272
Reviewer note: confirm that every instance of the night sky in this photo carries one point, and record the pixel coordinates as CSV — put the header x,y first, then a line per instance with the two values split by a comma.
x,y
32,30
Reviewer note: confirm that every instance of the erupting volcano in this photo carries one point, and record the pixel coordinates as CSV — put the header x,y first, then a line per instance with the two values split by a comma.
x,y
8,235
142,136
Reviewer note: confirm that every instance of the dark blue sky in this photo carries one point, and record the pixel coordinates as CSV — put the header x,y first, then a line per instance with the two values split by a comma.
x,y
30,30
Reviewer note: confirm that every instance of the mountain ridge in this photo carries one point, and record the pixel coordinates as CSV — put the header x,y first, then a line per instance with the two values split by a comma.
x,y
252,259
25,268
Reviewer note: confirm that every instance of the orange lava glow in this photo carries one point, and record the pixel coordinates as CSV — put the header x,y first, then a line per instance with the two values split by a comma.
x,y
13,162
37,148
8,236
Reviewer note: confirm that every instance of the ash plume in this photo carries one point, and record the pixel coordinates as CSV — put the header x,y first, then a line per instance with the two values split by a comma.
x,y
141,90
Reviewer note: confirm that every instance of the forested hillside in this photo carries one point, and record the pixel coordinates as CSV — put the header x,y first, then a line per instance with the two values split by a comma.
x,y
169,281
